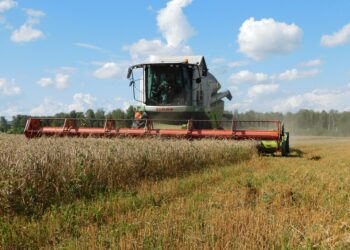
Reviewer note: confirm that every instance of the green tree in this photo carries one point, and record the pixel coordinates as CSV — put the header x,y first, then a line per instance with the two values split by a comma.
x,y
18,123
100,114
130,112
90,114
4,126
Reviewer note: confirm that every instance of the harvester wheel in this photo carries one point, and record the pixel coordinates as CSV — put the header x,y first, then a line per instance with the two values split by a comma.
x,y
285,144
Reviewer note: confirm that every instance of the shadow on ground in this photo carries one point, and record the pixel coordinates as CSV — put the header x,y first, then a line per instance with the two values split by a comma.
x,y
294,153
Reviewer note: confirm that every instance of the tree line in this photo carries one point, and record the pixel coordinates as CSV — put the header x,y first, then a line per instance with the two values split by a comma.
x,y
89,118
306,122
303,122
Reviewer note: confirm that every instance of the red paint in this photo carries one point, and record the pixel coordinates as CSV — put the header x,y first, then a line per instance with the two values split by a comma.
x,y
34,129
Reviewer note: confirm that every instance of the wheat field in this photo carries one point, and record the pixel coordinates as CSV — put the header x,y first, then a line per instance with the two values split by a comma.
x,y
202,195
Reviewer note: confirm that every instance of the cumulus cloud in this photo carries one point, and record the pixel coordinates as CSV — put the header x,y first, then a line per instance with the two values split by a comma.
x,y
9,88
293,74
262,89
289,104
5,5
109,70
312,63
60,81
262,38
173,24
318,99
175,29
340,37
27,33
155,48
48,107
81,102
246,76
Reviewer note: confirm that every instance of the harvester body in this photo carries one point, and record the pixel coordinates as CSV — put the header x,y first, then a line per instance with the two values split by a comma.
x,y
179,88
178,98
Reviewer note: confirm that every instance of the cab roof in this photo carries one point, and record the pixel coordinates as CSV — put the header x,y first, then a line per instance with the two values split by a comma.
x,y
191,60
199,60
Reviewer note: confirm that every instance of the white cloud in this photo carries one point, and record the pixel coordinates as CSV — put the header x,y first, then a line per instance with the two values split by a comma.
x,y
81,102
154,48
246,76
48,107
8,113
237,64
34,13
290,104
175,29
293,74
33,16
5,5
44,82
259,39
318,99
340,37
26,33
109,70
126,105
121,103
88,46
220,66
262,89
173,24
312,63
61,81
218,60
222,62
9,88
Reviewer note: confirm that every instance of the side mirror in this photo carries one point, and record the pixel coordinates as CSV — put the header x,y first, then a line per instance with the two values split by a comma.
x,y
129,73
198,80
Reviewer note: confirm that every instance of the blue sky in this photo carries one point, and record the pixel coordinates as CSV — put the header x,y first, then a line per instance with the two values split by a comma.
x,y
273,55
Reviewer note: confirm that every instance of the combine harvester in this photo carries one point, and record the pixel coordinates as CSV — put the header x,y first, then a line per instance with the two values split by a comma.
x,y
179,99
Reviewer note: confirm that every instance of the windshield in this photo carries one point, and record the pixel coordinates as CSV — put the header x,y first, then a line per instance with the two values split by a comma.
x,y
168,84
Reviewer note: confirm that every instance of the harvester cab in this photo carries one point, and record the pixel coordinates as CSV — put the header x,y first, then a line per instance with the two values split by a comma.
x,y
177,89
